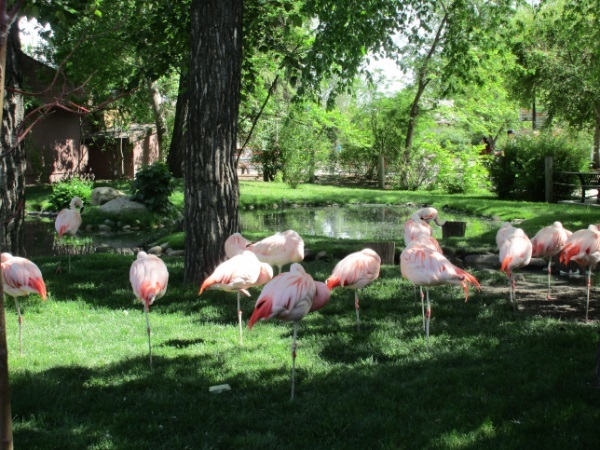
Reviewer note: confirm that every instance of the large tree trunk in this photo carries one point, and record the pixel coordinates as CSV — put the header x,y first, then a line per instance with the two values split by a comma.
x,y
12,163
159,118
211,183
176,154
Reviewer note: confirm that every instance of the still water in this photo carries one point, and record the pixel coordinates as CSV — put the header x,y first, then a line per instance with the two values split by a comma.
x,y
367,222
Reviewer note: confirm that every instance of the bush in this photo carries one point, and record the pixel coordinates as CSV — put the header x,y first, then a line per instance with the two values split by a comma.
x,y
520,173
153,186
64,191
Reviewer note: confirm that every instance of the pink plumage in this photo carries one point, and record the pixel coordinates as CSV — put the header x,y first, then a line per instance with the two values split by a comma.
x,y
68,220
515,251
583,247
289,297
505,230
20,278
149,277
279,249
418,224
547,243
235,245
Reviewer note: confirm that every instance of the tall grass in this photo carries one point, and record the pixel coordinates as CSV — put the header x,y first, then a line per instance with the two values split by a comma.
x,y
491,379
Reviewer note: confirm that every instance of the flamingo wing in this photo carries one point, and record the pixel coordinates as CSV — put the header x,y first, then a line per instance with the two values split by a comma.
x,y
22,277
149,277
356,270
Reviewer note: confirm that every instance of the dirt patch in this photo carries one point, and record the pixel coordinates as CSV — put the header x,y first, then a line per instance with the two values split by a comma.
x,y
568,302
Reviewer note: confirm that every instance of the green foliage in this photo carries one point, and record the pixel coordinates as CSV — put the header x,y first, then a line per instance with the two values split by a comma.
x,y
520,173
459,171
64,191
153,186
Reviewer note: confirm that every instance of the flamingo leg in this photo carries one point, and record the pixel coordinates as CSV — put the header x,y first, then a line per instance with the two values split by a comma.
x,y
422,304
20,326
428,318
513,295
294,346
549,277
147,310
589,288
239,311
357,309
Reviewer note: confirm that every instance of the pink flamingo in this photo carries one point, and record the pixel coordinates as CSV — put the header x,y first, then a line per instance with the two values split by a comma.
x,y
418,224
68,221
21,277
433,244
505,230
515,253
355,271
583,247
426,267
289,297
279,249
238,274
235,245
149,277
547,243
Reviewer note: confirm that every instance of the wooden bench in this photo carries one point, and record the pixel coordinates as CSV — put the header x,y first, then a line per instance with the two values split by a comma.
x,y
588,180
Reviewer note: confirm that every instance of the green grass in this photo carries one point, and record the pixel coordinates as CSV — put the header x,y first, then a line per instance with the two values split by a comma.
x,y
492,378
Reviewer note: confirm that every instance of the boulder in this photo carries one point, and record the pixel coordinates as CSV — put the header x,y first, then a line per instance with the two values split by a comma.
x,y
123,205
101,195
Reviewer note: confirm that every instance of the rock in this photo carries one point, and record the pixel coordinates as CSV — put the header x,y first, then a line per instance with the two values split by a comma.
x,y
322,255
482,260
123,205
171,252
164,246
101,195
109,222
157,250
103,227
126,227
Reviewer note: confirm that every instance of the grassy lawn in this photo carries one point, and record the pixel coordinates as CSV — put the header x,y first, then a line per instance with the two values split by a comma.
x,y
492,378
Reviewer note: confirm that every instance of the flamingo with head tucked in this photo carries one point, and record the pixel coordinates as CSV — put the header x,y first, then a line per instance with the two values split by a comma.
x,y
149,277
235,245
20,278
547,243
238,274
279,249
289,297
583,247
426,267
515,253
355,271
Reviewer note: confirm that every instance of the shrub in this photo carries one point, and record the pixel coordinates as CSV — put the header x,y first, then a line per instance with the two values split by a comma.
x,y
520,173
153,186
65,190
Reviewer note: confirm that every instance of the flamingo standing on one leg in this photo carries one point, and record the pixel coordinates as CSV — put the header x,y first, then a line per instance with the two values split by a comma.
x,y
426,267
515,253
149,277
547,243
238,274
505,230
21,277
68,221
355,271
235,245
583,247
279,249
289,297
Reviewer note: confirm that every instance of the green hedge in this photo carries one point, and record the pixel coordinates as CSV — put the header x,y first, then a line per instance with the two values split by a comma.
x,y
520,173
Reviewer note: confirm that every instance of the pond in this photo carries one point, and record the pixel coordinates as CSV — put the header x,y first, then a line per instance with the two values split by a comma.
x,y
365,222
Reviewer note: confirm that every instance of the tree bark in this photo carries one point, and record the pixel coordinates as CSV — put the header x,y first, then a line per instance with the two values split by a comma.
x,y
159,118
176,154
211,183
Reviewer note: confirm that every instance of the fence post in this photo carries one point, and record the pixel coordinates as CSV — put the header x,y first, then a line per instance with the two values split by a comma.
x,y
549,188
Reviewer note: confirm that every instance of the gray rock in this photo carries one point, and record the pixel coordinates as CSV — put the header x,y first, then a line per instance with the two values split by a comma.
x,y
157,250
103,227
123,205
126,227
101,195
171,252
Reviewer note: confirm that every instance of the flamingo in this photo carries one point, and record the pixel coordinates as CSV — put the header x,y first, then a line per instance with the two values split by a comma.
x,y
515,253
547,243
289,297
68,221
355,271
583,247
21,277
279,249
238,274
433,244
418,224
505,230
235,244
426,267
149,277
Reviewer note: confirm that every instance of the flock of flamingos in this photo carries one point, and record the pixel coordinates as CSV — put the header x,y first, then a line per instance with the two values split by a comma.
x,y
289,296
